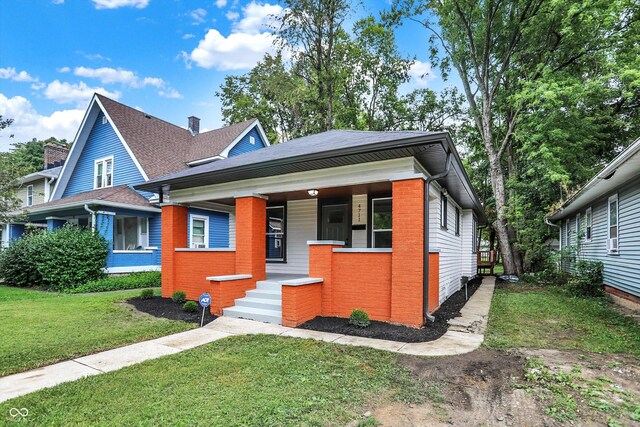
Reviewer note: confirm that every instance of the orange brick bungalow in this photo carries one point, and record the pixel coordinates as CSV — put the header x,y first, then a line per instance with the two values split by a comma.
x,y
318,226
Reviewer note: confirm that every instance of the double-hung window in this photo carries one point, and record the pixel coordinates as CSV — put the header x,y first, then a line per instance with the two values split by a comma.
x,y
443,211
131,233
276,234
381,222
29,195
103,173
199,231
588,220
578,228
613,228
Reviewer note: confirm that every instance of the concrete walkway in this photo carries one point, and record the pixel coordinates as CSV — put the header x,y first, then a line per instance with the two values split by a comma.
x,y
465,334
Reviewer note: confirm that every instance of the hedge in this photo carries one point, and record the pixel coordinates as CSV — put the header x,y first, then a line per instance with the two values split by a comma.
x,y
147,279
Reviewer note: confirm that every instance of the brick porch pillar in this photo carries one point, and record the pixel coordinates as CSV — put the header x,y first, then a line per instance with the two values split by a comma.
x,y
251,226
174,235
407,260
320,266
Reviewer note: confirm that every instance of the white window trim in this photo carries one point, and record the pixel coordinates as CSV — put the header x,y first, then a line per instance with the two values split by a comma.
x,y
373,210
144,243
609,239
252,140
104,172
588,224
206,229
444,211
29,196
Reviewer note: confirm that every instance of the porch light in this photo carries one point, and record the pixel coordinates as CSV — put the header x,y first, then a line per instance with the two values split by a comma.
x,y
313,192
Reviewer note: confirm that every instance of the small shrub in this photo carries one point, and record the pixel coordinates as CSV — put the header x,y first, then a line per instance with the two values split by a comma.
x,y
179,297
359,318
587,279
146,294
190,306
146,279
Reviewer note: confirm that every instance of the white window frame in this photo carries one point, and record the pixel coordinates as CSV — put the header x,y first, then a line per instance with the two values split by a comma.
x,y
104,120
373,229
103,161
610,246
588,225
252,140
444,211
206,230
142,241
143,238
29,195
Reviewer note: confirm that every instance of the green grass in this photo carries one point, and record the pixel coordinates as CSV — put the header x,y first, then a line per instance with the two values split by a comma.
x,y
247,380
550,318
40,328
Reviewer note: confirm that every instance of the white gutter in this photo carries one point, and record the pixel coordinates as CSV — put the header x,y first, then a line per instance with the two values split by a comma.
x,y
93,217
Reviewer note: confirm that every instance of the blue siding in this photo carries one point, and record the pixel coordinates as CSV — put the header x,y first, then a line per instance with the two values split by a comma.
x,y
621,269
218,227
102,142
155,237
16,231
52,224
245,146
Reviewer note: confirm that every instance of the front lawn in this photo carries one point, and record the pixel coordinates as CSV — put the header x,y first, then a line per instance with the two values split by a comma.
x,y
547,317
40,328
247,380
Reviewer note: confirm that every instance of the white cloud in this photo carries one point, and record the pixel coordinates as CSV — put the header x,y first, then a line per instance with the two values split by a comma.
x,y
199,16
108,75
221,3
187,36
29,124
93,57
115,4
12,74
170,93
64,70
37,85
244,47
80,93
57,1
421,73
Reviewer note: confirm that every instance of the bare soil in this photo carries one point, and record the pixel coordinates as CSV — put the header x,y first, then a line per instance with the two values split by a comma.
x,y
488,388
387,331
166,308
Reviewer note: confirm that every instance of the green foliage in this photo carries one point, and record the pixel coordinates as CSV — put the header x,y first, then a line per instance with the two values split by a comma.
x,y
56,260
179,297
146,279
587,279
146,294
359,318
190,306
29,156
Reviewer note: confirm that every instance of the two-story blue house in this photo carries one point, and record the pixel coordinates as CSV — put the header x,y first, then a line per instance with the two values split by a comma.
x,y
117,147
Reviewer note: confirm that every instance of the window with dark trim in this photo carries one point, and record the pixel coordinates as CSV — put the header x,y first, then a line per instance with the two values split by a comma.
x,y
381,222
457,221
276,236
588,224
443,211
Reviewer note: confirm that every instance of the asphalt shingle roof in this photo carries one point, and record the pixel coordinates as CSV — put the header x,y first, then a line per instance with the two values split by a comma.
x,y
120,194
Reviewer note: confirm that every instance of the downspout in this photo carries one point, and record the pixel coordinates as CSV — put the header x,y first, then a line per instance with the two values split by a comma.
x,y
559,227
93,217
425,277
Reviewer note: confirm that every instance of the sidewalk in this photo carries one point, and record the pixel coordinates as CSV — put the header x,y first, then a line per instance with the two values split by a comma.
x,y
465,334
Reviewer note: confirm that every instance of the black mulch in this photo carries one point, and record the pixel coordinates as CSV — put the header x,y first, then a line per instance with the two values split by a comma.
x,y
166,308
386,331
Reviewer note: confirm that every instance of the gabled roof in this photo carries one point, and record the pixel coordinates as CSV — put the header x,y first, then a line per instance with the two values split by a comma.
x,y
331,149
120,196
623,169
46,173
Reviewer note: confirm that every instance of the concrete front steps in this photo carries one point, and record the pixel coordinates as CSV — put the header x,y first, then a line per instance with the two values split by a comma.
x,y
263,304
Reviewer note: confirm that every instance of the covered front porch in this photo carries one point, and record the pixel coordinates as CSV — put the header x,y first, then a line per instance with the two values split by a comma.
x,y
311,247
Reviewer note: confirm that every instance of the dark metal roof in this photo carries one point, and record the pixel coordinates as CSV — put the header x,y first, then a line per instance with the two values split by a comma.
x,y
331,149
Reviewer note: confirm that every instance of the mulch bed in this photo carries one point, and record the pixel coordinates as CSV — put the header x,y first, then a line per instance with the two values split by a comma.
x,y
386,331
166,308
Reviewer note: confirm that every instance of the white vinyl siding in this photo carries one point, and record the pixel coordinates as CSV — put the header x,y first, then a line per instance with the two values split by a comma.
x,y
468,257
302,220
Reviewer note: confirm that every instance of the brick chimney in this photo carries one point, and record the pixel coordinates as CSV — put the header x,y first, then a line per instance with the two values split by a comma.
x,y
54,155
194,125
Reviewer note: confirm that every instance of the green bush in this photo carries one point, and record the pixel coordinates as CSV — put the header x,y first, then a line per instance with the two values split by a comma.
x,y
146,294
359,318
146,279
190,306
587,279
179,297
57,260
17,267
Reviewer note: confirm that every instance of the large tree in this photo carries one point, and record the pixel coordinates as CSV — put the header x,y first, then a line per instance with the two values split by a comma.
x,y
502,51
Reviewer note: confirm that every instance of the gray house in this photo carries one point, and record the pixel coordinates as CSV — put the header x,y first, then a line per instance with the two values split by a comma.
x,y
603,220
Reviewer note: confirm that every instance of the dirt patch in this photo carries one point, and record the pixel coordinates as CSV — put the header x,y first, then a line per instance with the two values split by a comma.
x,y
495,388
166,308
386,331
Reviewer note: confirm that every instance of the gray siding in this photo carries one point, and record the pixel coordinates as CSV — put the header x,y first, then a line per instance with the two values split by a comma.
x,y
621,270
38,192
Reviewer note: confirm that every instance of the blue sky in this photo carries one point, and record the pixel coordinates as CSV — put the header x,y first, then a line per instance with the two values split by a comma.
x,y
166,57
